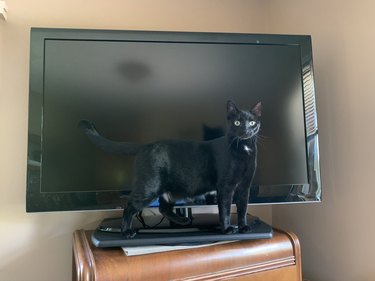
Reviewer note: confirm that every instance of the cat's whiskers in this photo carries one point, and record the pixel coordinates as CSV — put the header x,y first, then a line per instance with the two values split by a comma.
x,y
263,137
234,139
261,140
230,144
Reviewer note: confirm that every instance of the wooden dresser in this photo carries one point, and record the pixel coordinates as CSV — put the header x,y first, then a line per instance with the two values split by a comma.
x,y
276,259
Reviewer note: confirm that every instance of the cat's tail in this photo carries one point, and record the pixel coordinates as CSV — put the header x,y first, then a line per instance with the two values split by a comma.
x,y
105,144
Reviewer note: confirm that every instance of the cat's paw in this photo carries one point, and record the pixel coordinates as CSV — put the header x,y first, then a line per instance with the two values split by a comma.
x,y
245,229
129,234
229,230
179,220
184,221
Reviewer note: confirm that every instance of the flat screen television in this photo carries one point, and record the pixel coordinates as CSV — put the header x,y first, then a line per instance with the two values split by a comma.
x,y
143,86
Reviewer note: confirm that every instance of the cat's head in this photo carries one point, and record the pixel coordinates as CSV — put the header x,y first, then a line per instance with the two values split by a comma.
x,y
243,124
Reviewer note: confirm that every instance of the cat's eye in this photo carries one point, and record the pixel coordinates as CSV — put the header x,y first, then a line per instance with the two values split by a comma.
x,y
252,123
237,123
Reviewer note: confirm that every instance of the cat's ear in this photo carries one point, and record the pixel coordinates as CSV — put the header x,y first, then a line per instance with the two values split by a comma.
x,y
231,109
257,109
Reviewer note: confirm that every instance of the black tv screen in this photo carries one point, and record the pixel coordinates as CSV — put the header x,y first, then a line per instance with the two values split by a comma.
x,y
148,86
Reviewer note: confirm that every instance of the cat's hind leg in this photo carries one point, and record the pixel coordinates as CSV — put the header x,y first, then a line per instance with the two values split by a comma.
x,y
166,209
127,220
137,202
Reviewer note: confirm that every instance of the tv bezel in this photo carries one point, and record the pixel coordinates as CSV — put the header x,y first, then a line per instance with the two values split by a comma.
x,y
38,201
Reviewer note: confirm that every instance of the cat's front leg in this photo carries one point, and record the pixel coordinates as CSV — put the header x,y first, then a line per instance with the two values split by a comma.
x,y
243,192
225,197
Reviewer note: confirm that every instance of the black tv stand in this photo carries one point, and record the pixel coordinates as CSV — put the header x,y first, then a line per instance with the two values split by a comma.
x,y
108,234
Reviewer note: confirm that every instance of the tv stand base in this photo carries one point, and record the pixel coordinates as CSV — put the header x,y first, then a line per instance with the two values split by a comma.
x,y
108,234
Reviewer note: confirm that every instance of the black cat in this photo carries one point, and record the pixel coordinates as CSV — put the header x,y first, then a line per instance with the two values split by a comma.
x,y
174,169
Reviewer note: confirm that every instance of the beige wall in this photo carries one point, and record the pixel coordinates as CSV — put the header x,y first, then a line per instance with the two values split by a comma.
x,y
337,235
38,246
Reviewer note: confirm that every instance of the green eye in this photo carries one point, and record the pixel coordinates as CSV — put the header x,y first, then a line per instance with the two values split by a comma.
x,y
237,123
252,123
